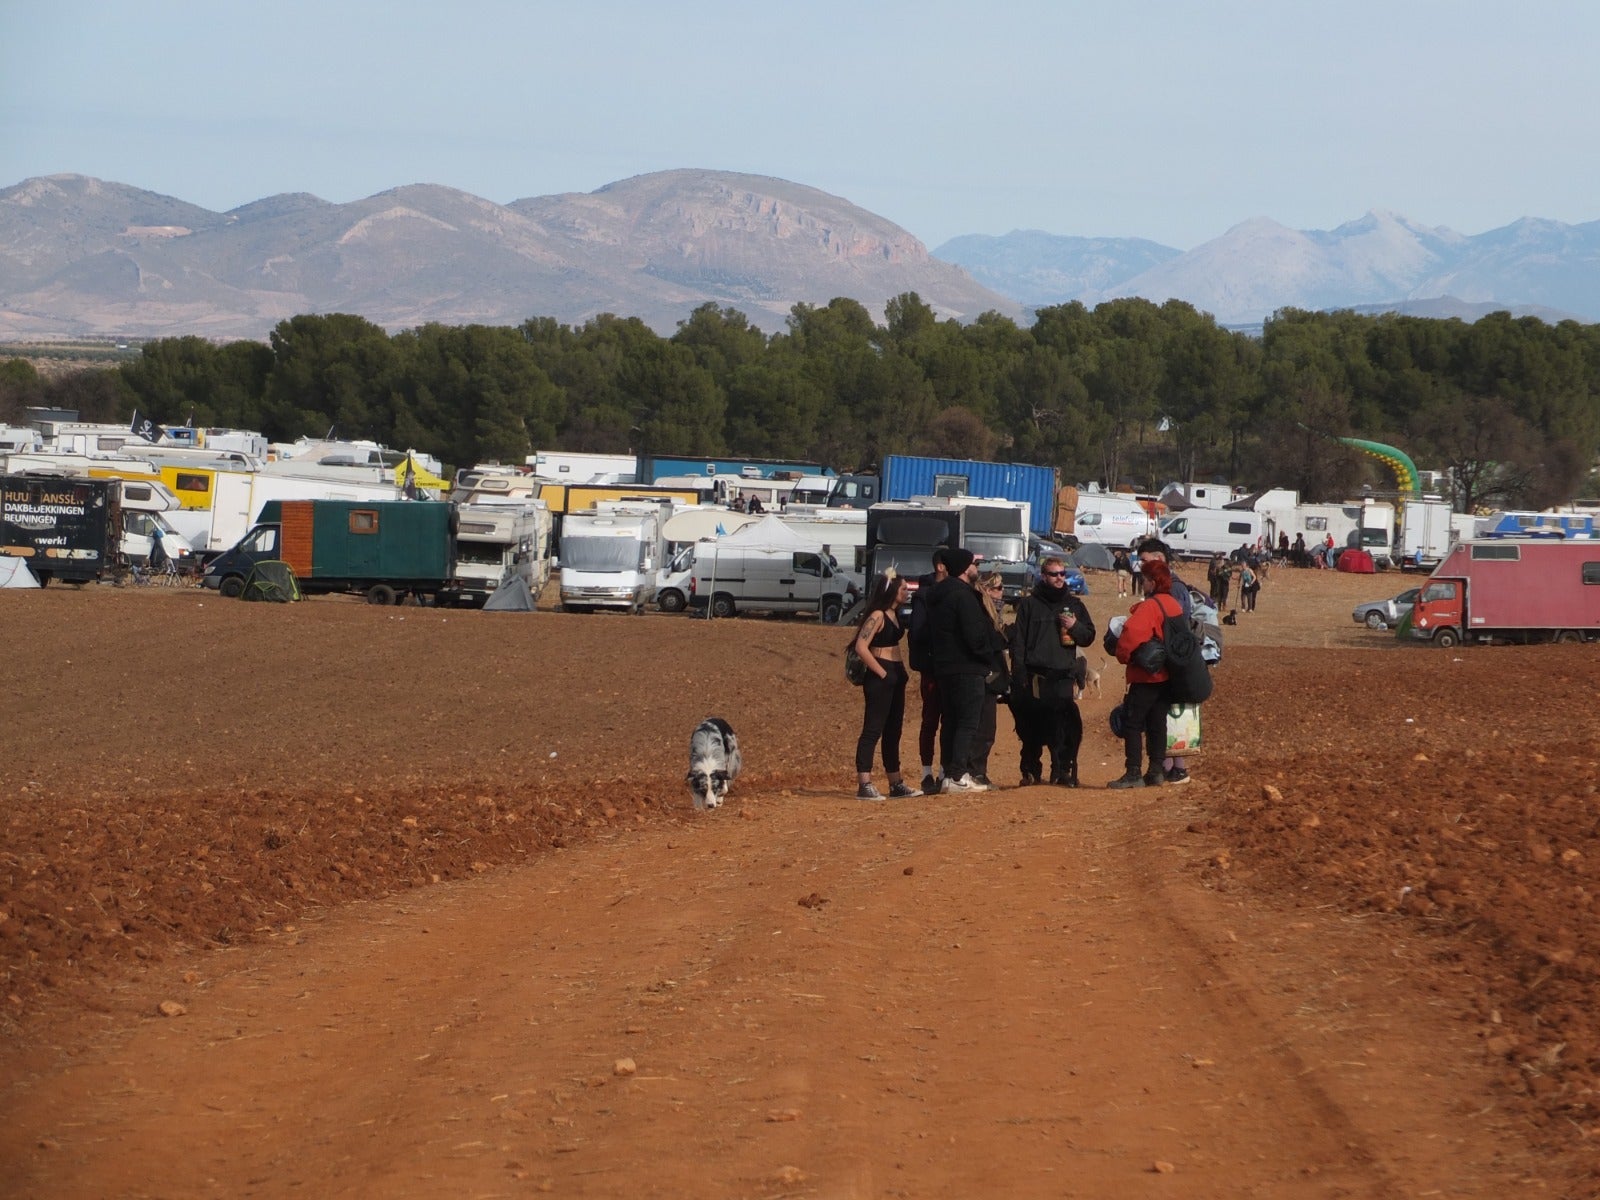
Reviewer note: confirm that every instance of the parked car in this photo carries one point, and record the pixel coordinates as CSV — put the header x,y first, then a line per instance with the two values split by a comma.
x,y
1038,551
1384,614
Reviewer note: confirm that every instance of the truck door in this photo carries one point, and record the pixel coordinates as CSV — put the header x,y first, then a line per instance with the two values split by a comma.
x,y
1439,606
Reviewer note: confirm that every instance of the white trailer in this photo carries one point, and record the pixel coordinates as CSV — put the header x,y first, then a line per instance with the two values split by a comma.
x,y
570,466
1426,533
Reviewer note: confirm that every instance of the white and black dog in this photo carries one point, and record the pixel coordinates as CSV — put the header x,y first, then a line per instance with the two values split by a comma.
x,y
713,762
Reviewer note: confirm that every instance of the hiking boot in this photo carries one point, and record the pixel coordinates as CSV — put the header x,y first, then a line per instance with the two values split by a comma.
x,y
1028,780
1131,780
899,791
1177,775
1155,778
867,792
930,785
982,780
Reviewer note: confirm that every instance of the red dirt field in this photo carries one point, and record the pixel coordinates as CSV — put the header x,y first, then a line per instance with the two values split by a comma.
x,y
329,899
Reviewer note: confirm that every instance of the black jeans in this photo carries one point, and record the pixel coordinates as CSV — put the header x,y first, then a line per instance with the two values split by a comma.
x,y
884,715
1145,721
961,704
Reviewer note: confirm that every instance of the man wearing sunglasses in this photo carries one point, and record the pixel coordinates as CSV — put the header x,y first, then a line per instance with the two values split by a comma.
x,y
1051,625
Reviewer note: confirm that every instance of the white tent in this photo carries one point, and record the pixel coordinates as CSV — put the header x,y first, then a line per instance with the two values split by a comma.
x,y
14,573
769,533
693,524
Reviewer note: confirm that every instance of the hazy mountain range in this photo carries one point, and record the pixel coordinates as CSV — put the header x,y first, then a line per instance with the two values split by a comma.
x,y
1381,262
82,257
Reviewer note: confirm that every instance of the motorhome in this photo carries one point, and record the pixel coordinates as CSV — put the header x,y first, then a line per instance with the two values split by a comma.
x,y
571,466
904,535
768,567
997,533
611,559
498,540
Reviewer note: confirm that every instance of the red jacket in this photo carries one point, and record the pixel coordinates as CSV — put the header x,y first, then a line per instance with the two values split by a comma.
x,y
1143,624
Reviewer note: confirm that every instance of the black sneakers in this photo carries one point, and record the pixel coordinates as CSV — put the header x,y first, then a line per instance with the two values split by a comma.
x,y
1131,780
1155,778
902,791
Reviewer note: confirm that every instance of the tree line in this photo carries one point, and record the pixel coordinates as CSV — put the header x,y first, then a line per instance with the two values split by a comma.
x,y
1128,393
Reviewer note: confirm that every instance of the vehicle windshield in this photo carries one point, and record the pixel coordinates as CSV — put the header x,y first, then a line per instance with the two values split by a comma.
x,y
485,553
605,555
998,547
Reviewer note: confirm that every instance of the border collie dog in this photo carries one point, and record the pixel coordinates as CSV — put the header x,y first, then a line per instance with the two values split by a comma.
x,y
713,762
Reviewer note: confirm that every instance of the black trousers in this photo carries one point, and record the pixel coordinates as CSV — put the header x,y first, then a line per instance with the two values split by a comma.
x,y
961,704
928,731
884,716
1145,725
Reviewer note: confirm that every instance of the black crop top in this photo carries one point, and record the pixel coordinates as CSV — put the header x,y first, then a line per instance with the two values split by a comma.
x,y
889,634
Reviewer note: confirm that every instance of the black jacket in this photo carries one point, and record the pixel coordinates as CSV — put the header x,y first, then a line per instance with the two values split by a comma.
x,y
960,634
917,631
1036,647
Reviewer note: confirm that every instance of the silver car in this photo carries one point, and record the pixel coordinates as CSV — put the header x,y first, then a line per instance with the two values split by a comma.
x,y
1385,614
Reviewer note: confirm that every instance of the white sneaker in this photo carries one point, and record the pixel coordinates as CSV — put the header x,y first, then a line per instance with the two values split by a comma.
x,y
965,784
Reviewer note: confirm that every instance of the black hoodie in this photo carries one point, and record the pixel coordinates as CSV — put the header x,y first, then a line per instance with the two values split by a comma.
x,y
959,630
1036,647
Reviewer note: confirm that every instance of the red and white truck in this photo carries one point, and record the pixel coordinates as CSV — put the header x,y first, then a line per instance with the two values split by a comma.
x,y
1512,590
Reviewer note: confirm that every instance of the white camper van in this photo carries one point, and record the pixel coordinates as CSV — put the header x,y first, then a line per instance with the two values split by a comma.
x,y
1202,532
767,567
1112,519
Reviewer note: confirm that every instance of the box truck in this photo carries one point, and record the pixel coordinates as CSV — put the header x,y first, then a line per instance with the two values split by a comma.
x,y
383,549
1511,590
66,528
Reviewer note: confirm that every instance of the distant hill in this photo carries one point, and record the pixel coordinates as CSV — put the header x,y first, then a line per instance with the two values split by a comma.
x,y
82,257
1382,262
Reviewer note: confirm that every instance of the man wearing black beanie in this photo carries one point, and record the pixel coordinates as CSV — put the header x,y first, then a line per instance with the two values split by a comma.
x,y
958,642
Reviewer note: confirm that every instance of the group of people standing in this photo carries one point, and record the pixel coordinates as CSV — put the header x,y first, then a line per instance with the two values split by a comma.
x,y
1243,565
951,631
968,659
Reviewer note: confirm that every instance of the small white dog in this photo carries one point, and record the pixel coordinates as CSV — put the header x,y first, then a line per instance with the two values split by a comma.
x,y
714,762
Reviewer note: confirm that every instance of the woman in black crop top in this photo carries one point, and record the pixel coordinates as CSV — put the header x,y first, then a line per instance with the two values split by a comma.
x,y
878,644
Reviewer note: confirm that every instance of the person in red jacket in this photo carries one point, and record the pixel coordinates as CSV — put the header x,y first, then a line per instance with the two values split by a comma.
x,y
1145,709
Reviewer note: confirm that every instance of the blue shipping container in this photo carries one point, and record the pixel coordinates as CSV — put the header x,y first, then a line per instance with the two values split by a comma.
x,y
905,476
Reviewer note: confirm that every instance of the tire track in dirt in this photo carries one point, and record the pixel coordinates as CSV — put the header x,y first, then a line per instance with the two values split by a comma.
x,y
1023,996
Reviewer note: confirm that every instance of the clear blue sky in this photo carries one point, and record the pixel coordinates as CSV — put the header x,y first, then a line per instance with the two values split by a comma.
x,y
1166,120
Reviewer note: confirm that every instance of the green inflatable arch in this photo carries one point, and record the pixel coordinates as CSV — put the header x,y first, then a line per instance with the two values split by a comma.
x,y
1405,471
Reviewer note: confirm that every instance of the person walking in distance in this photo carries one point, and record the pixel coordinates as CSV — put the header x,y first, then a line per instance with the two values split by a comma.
x,y
927,681
959,646
1050,626
1144,719
878,643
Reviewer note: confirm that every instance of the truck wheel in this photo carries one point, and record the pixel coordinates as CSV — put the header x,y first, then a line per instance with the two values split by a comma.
x,y
1375,621
1446,638
1569,635
671,601
722,605
831,610
232,587
380,593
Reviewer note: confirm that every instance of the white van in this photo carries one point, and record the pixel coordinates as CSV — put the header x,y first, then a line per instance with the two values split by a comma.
x,y
1202,532
1112,519
767,567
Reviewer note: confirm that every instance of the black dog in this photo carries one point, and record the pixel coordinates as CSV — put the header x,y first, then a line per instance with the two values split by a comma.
x,y
1232,618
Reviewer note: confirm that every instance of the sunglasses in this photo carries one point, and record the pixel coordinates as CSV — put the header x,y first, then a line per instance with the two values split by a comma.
x,y
1053,574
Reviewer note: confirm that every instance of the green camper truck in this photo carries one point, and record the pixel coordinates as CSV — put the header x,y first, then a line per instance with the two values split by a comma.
x,y
382,549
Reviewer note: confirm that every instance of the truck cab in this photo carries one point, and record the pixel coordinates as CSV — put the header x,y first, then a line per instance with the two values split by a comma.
x,y
1439,613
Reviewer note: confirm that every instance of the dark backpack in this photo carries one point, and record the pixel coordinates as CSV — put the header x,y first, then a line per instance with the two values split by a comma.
x,y
1188,677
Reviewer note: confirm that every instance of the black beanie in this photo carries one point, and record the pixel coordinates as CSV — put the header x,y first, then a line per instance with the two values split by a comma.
x,y
957,560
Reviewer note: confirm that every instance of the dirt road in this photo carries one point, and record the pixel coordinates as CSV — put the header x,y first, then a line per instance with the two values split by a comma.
x,y
1041,993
